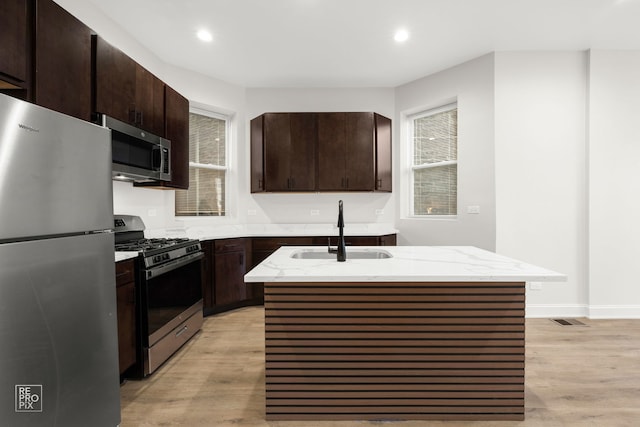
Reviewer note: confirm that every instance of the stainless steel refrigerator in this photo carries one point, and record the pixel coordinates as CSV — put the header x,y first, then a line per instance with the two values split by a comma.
x,y
58,319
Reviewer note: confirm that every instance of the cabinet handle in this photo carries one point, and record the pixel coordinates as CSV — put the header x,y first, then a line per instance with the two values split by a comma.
x,y
124,273
260,184
379,183
288,183
182,331
241,259
132,114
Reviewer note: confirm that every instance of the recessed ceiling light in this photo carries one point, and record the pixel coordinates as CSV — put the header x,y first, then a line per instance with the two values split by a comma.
x,y
204,35
401,36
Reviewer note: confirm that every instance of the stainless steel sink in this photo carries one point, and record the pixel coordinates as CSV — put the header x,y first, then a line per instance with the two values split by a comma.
x,y
351,254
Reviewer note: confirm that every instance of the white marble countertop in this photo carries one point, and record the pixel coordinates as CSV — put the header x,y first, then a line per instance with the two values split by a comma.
x,y
228,231
122,256
407,264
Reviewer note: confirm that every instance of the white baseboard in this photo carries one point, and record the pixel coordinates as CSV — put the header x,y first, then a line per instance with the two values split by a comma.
x,y
614,311
579,310
556,310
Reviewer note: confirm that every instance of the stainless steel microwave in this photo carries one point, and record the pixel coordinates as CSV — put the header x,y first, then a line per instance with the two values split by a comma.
x,y
137,155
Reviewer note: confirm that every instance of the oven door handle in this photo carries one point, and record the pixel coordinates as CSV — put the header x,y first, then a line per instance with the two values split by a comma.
x,y
172,265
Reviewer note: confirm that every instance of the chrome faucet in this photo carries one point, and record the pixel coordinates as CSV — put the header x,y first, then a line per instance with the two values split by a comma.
x,y
341,250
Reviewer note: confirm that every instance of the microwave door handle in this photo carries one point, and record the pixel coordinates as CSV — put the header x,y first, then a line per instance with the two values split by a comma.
x,y
156,159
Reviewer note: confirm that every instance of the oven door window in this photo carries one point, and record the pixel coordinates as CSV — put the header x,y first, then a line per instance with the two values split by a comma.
x,y
171,293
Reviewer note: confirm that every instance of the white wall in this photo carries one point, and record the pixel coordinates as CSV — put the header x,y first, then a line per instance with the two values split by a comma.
x,y
614,180
296,208
541,185
471,84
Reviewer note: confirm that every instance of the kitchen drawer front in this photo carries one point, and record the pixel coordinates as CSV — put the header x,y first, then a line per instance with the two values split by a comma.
x,y
273,243
229,245
125,272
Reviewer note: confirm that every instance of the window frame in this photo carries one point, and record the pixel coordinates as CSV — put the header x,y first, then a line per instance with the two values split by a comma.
x,y
203,111
411,168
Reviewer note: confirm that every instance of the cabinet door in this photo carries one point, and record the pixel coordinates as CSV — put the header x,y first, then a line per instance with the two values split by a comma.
x,y
360,155
149,102
288,142
207,273
277,144
230,268
63,61
126,308
345,152
332,151
388,240
302,153
383,153
14,41
257,155
126,325
177,131
115,82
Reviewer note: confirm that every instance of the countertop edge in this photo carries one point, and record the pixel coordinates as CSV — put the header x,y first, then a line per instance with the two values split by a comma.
x,y
408,264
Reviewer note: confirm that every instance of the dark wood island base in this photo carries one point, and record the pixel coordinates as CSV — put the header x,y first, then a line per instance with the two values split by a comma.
x,y
395,350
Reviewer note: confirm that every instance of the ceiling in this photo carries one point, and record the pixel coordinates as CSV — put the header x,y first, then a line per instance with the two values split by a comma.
x,y
349,43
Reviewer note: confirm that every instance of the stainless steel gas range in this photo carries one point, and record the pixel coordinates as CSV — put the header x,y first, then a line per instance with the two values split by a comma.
x,y
168,292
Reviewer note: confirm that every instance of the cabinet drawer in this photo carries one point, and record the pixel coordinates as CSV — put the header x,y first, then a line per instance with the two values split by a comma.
x,y
229,245
125,272
273,243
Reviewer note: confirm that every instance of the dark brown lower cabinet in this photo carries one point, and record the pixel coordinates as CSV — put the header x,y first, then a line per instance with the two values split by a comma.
x,y
126,303
226,262
230,265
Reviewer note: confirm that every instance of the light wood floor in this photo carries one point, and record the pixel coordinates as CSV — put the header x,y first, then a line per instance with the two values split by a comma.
x,y
575,376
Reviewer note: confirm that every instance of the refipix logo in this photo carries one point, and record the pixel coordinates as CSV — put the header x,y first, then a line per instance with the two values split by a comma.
x,y
29,398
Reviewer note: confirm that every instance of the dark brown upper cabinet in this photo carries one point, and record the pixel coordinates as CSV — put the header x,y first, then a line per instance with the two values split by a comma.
x,y
257,155
14,41
320,152
126,91
283,152
346,159
176,129
383,153
62,61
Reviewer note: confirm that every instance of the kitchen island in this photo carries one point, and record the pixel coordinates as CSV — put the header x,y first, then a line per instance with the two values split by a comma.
x,y
427,333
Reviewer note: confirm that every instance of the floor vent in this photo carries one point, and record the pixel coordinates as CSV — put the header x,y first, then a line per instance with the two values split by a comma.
x,y
568,322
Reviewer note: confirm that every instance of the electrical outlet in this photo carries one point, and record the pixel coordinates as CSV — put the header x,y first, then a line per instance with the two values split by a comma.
x,y
152,212
315,212
535,286
251,212
474,209
379,212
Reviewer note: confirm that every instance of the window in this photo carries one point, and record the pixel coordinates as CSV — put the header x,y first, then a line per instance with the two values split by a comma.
x,y
207,166
434,161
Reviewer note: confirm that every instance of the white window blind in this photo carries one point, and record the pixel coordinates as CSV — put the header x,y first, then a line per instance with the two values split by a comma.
x,y
434,168
207,167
